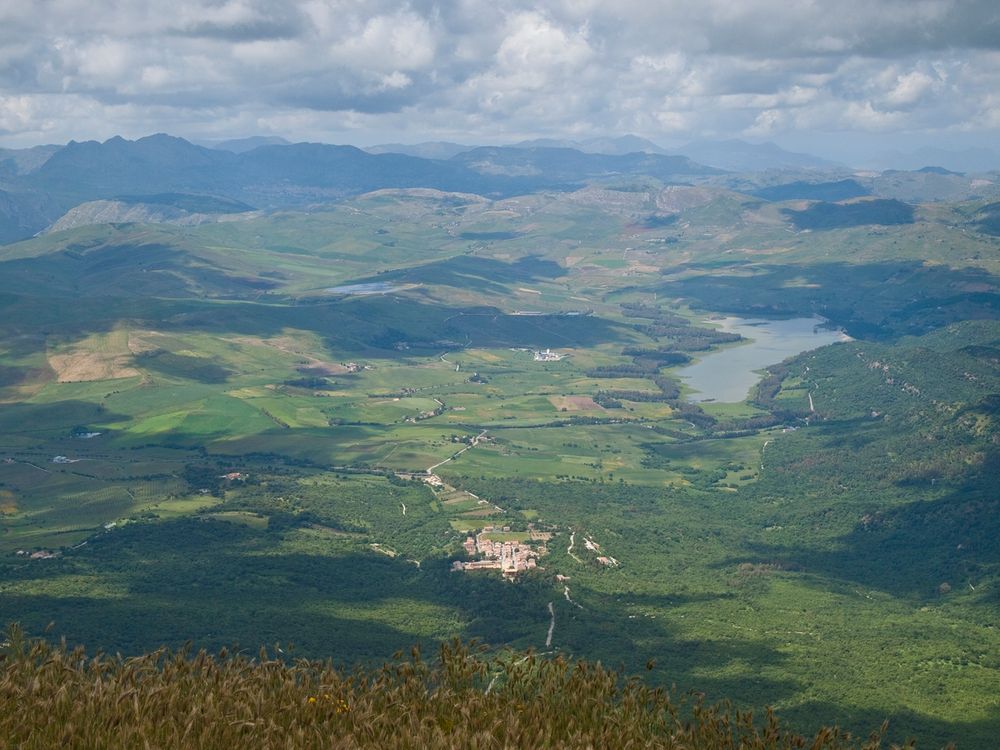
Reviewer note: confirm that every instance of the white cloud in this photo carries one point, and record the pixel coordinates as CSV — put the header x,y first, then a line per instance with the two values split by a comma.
x,y
865,116
395,80
539,72
533,42
489,69
909,89
402,41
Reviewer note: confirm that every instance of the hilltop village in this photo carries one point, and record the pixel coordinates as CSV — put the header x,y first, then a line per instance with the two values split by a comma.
x,y
510,556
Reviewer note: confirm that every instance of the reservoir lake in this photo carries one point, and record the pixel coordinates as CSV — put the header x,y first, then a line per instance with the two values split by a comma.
x,y
375,287
729,374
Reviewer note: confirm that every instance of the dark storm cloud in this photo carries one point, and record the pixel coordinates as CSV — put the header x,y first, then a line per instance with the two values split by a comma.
x,y
498,68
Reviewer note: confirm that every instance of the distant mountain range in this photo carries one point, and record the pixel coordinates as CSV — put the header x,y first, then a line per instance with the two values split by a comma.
x,y
23,160
730,155
39,186
740,156
427,150
242,145
971,160
619,146
626,144
121,180
569,164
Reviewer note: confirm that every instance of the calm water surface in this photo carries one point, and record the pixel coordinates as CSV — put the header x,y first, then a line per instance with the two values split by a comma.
x,y
376,287
729,374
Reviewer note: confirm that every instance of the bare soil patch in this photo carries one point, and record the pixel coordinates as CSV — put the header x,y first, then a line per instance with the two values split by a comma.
x,y
575,403
139,342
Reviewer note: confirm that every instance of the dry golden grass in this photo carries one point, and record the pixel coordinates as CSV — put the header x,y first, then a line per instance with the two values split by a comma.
x,y
51,696
83,366
574,403
8,503
98,357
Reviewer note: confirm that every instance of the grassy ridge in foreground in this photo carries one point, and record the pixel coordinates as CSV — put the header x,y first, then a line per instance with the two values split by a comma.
x,y
51,696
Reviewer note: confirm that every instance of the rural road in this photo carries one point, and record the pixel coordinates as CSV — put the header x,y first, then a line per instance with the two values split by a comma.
x,y
473,444
763,448
569,549
566,594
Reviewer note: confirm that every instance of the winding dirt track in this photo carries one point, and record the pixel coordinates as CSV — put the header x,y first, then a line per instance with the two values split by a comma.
x,y
566,594
763,448
569,549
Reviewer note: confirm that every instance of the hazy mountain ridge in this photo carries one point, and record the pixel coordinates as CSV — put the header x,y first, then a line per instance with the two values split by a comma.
x,y
739,156
154,164
933,184
18,161
425,150
607,145
280,175
241,145
24,213
42,185
974,160
572,165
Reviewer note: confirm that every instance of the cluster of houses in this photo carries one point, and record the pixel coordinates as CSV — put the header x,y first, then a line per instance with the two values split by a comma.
x,y
604,560
509,557
42,554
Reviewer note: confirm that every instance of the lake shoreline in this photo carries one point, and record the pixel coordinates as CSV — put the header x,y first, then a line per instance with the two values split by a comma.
x,y
726,375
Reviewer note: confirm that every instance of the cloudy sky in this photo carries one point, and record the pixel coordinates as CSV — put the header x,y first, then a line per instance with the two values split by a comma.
x,y
805,73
